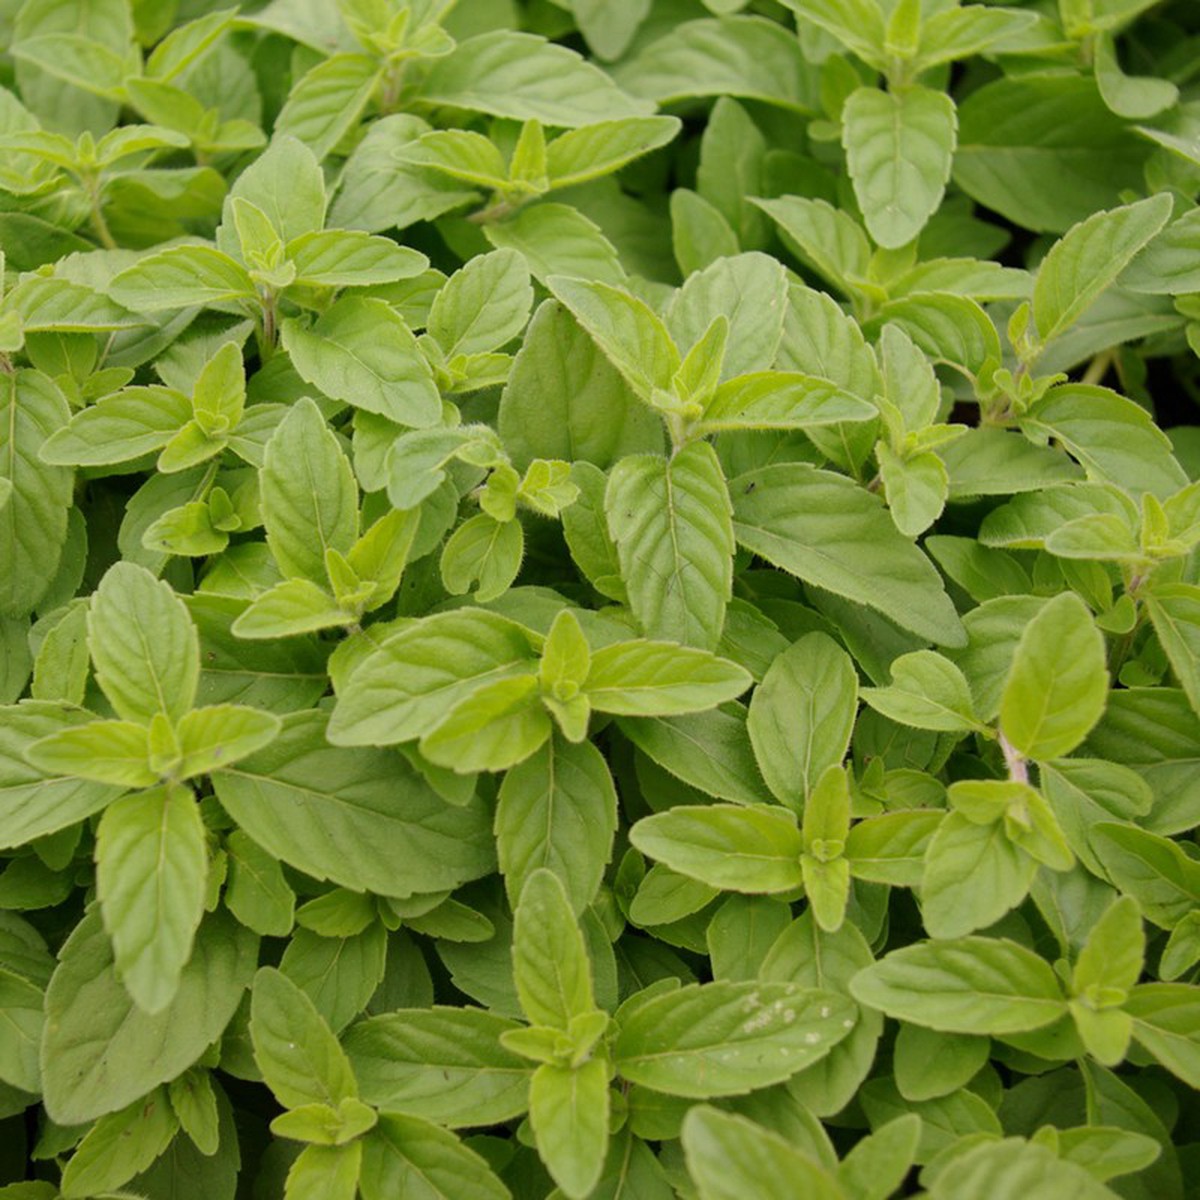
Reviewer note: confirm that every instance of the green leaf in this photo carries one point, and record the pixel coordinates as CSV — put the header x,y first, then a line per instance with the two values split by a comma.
x,y
313,510
32,802
213,737
1015,133
100,1052
352,832
684,1041
296,1051
569,1113
1058,686
483,306
605,146
979,985
497,726
151,868
182,277
327,103
801,716
670,520
143,645
120,1145
824,529
899,146
928,692
550,963
407,1156
974,874
105,751
1089,258
736,56
286,182
564,400
632,337
1164,1022
557,810
753,849
649,679
729,1157
1174,610
522,77
361,352
446,1064
832,242
485,552
418,675
256,891
33,521
340,258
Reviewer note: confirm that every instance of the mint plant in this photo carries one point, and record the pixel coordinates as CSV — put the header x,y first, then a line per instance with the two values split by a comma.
x,y
599,600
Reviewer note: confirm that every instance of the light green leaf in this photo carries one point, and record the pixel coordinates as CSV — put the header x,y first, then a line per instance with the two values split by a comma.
x,y
550,963
670,520
604,146
326,103
120,1146
557,810
742,848
340,258
899,146
182,277
445,1064
683,1041
33,521
1174,610
730,1157
105,751
213,737
143,645
295,1049
977,985
32,802
649,679
309,497
332,813
632,337
100,1052
361,352
522,77
801,716
418,675
497,726
928,692
1058,686
408,1156
483,306
569,1112
823,528
564,400
1088,258
750,57
151,868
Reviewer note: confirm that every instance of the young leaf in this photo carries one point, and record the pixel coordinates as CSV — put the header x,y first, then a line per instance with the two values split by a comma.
x,y
1057,687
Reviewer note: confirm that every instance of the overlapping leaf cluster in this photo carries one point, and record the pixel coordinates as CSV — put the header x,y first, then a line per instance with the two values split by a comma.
x,y
594,600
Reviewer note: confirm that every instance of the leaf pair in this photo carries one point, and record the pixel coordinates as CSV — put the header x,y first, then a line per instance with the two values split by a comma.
x,y
468,684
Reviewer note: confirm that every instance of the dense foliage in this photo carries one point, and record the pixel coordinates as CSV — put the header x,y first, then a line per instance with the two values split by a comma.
x,y
599,599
